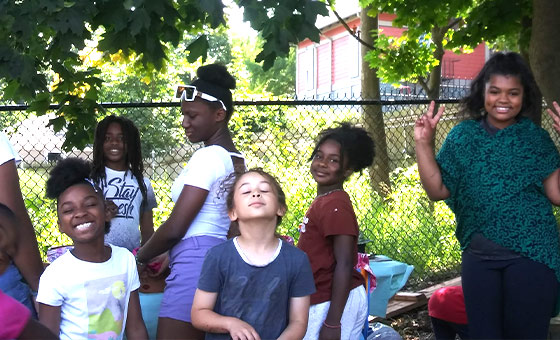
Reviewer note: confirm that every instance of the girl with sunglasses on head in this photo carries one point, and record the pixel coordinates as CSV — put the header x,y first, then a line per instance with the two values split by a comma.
x,y
199,219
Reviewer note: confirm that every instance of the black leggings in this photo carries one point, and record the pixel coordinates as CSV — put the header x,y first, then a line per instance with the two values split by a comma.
x,y
508,299
447,330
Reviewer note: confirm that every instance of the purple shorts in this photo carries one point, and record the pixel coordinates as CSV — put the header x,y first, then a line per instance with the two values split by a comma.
x,y
186,259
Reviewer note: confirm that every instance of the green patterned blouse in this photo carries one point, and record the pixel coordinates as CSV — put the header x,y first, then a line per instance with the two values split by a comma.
x,y
496,187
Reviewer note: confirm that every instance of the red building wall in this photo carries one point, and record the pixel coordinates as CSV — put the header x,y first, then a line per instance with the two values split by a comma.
x,y
334,59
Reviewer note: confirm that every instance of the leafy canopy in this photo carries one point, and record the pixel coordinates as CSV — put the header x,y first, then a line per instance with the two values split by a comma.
x,y
432,26
40,41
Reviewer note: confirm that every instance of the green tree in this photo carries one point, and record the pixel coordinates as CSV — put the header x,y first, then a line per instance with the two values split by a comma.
x,y
42,37
279,80
416,56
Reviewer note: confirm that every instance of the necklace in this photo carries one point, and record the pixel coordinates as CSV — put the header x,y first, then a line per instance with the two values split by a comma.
x,y
253,263
329,192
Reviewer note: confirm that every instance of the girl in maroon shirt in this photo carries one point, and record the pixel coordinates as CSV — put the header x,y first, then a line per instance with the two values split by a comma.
x,y
329,235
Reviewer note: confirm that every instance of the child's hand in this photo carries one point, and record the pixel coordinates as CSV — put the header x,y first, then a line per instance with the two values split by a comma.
x,y
240,330
158,264
328,333
111,208
555,115
425,127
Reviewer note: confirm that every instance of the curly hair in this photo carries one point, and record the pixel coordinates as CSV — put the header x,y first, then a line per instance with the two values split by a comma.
x,y
67,173
133,154
503,64
356,146
273,182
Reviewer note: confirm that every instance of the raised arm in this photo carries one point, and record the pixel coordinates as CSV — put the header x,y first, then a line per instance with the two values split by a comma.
x,y
297,323
204,318
552,182
430,173
171,231
27,258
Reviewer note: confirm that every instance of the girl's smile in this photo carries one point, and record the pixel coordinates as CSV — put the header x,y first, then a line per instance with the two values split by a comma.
x,y
326,166
114,148
82,214
503,99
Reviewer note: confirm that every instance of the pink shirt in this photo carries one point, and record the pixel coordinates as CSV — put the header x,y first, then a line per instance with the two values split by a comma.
x,y
13,317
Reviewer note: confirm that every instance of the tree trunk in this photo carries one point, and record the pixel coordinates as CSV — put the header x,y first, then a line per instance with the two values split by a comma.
x,y
373,114
544,48
434,81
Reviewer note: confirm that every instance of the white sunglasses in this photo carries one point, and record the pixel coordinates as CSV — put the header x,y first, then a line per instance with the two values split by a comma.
x,y
189,92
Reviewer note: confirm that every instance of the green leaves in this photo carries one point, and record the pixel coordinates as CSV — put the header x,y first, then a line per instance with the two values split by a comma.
x,y
42,43
198,49
282,25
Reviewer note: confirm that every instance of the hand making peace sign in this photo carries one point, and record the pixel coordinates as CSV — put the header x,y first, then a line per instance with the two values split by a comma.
x,y
425,126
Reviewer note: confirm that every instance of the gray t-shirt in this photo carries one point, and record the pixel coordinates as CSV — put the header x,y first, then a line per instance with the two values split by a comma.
x,y
122,188
259,296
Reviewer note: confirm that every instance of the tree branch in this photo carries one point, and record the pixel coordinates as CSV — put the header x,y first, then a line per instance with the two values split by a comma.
x,y
453,23
423,84
351,31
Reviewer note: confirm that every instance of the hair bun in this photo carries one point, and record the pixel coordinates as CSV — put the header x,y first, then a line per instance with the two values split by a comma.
x,y
216,74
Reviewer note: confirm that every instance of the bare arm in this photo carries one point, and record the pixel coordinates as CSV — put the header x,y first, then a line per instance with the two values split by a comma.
x,y
204,318
135,327
50,317
27,258
343,246
35,330
171,231
146,225
299,314
430,173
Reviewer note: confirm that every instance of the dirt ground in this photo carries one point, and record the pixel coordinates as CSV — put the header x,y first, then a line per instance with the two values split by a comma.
x,y
414,325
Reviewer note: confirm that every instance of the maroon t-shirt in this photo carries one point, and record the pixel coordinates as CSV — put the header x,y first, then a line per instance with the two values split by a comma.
x,y
327,216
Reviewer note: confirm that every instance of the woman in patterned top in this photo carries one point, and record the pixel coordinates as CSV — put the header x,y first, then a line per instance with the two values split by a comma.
x,y
499,174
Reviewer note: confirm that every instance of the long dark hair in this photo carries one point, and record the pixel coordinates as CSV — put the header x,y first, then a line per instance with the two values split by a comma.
x,y
133,156
503,64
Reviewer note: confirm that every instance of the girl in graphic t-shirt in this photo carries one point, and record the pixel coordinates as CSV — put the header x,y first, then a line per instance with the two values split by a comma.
x,y
199,218
90,291
329,235
118,170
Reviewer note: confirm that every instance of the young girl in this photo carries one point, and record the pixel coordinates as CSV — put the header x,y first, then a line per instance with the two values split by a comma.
x,y
254,286
199,218
499,174
118,170
329,235
90,291
15,319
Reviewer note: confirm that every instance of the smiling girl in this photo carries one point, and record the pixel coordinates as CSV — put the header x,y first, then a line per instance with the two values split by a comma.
x,y
118,170
329,235
90,291
499,174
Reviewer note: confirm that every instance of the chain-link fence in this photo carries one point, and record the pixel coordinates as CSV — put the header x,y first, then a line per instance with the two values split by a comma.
x,y
395,216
